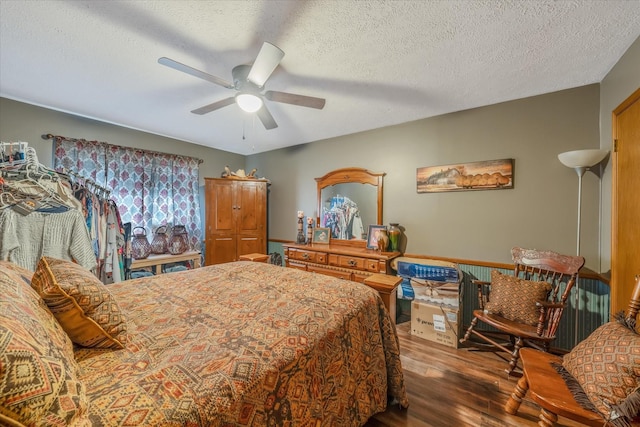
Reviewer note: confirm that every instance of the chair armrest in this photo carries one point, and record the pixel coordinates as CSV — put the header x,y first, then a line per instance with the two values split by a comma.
x,y
549,305
480,282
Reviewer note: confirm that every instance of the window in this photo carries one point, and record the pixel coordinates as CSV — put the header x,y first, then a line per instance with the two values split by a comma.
x,y
149,188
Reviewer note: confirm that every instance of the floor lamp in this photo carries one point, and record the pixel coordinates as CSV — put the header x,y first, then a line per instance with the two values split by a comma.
x,y
580,161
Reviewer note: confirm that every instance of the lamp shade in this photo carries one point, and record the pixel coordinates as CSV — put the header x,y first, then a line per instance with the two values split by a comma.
x,y
249,102
582,158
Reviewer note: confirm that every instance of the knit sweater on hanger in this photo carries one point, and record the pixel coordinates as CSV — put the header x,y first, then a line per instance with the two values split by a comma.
x,y
24,239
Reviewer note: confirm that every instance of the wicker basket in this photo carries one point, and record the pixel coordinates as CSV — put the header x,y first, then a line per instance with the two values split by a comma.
x,y
160,242
179,242
140,246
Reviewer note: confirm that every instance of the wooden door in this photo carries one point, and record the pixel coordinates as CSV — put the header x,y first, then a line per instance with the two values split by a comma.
x,y
221,206
250,244
220,238
222,248
251,207
251,217
625,211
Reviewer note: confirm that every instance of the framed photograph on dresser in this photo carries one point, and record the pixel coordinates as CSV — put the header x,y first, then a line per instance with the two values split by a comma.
x,y
374,233
322,235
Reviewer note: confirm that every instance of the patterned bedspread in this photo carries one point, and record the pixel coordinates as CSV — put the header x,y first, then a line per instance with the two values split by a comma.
x,y
244,344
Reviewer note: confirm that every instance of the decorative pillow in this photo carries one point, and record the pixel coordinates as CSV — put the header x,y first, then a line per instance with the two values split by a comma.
x,y
39,383
82,304
515,299
8,265
607,367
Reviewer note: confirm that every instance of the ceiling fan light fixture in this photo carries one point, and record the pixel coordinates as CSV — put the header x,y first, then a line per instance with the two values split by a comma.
x,y
248,102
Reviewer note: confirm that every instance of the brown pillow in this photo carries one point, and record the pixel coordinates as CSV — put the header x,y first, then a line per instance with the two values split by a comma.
x,y
515,299
82,304
607,367
39,377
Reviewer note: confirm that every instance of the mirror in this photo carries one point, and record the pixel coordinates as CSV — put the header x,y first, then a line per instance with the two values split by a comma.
x,y
349,200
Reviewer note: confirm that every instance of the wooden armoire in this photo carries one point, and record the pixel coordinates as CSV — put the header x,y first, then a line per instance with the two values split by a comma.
x,y
236,218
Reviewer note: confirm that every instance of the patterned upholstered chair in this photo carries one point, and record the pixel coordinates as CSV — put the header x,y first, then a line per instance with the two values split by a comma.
x,y
526,307
596,384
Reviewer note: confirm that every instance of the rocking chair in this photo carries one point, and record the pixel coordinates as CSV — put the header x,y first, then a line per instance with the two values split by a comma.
x,y
527,306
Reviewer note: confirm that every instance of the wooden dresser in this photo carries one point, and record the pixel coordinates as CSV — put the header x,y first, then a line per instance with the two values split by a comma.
x,y
345,262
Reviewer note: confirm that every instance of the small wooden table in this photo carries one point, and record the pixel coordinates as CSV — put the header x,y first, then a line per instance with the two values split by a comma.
x,y
156,261
386,286
255,257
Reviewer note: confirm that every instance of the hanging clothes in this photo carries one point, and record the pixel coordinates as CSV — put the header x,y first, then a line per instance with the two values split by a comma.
x,y
58,214
104,225
26,238
40,216
343,218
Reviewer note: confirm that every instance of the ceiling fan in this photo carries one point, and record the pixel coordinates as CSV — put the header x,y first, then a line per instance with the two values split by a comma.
x,y
248,82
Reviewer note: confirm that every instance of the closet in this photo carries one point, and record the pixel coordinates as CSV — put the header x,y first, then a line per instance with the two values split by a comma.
x,y
235,218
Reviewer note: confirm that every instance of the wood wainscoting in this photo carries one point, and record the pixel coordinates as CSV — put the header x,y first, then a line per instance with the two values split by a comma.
x,y
455,387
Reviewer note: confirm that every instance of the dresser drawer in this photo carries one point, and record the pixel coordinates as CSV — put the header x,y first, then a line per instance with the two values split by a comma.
x,y
302,267
373,265
356,263
339,274
309,256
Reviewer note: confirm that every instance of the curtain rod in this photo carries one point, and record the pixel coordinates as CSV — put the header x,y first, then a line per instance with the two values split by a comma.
x,y
64,138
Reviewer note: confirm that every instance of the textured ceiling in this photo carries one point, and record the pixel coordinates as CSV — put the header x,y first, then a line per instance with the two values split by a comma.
x,y
377,63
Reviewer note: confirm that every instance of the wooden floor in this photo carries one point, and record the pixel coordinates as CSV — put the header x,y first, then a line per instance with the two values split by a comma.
x,y
455,387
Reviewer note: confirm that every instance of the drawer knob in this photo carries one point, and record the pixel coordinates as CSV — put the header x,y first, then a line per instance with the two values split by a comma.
x,y
352,262
305,256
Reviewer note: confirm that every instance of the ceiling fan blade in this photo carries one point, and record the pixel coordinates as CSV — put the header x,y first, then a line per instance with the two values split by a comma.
x,y
197,73
291,98
267,60
215,106
266,118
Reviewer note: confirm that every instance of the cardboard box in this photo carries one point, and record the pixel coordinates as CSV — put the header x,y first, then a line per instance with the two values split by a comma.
x,y
431,281
447,294
440,324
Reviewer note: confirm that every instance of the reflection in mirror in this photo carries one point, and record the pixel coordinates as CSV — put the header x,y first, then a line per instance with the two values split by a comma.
x,y
348,209
349,200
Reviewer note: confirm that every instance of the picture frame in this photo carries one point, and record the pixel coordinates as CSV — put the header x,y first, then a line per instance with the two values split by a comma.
x,y
321,235
483,175
372,236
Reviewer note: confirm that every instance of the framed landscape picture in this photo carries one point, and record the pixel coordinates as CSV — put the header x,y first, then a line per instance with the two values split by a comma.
x,y
484,175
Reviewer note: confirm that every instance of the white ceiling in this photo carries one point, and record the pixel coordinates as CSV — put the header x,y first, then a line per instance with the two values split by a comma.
x,y
377,63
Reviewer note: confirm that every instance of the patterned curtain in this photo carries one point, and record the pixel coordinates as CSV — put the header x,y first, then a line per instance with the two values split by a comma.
x,y
150,188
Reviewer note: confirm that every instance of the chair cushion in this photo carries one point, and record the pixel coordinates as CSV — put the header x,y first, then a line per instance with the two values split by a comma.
x,y
82,304
607,366
39,377
515,298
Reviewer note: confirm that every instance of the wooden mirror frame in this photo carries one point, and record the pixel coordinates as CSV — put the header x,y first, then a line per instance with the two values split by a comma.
x,y
351,175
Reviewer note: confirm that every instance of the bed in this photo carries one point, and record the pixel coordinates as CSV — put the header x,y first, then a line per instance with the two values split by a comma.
x,y
237,344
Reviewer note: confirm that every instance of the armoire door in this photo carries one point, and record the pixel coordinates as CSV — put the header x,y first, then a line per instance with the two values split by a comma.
x,y
625,211
251,203
221,207
221,248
